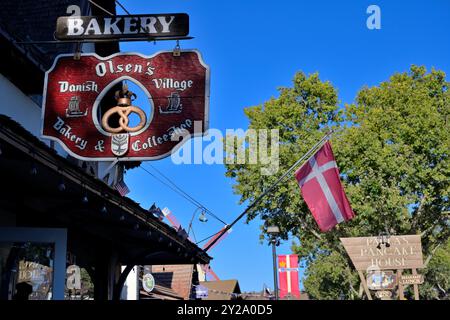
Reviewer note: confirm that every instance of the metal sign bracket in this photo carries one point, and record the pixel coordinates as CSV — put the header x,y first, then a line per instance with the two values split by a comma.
x,y
177,49
77,53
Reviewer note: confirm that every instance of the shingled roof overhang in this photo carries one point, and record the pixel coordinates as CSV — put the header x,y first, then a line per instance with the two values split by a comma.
x,y
137,236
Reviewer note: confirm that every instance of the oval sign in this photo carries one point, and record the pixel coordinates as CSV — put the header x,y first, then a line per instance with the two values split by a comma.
x,y
381,280
148,282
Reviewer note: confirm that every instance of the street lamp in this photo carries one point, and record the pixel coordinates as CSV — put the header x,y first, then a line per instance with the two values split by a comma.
x,y
273,231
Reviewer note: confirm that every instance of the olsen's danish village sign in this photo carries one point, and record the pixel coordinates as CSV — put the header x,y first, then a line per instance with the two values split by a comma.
x,y
176,86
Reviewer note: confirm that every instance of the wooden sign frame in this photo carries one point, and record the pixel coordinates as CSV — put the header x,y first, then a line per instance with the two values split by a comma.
x,y
396,253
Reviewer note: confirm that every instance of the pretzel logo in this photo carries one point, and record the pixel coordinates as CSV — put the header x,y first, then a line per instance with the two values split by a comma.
x,y
124,109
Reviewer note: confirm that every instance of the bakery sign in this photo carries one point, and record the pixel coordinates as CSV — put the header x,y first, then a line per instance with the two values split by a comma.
x,y
373,253
116,27
74,114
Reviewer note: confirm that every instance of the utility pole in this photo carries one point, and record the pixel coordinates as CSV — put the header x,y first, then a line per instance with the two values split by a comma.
x,y
274,231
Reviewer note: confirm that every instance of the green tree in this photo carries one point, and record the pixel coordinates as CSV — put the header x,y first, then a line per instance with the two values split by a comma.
x,y
325,279
437,275
392,149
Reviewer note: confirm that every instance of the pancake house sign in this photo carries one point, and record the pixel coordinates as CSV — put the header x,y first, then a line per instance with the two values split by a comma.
x,y
177,88
398,252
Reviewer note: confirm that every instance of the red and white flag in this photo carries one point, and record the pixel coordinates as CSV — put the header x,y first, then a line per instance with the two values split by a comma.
x,y
288,275
122,188
322,189
172,219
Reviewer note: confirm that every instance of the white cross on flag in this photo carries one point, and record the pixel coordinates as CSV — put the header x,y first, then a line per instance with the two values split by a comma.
x,y
322,189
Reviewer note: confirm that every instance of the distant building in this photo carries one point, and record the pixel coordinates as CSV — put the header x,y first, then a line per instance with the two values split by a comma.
x,y
222,290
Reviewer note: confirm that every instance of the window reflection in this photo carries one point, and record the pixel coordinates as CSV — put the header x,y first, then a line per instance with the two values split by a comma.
x,y
26,271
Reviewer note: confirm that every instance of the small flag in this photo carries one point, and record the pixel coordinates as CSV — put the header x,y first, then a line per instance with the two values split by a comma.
x,y
156,212
173,221
122,188
322,189
288,275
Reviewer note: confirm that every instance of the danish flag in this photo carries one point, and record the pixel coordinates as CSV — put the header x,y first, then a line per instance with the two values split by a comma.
x,y
322,190
288,275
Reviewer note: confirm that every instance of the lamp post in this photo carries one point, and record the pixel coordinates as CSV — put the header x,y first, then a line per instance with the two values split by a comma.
x,y
273,231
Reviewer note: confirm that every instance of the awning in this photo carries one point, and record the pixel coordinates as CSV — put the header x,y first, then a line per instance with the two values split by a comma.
x,y
31,173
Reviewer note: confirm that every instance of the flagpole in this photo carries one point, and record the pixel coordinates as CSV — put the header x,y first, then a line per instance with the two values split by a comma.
x,y
261,196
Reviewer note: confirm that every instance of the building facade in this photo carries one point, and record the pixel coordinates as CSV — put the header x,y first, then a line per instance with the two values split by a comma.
x,y
65,232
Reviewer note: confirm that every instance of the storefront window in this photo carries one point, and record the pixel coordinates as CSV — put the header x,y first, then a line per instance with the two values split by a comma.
x,y
26,270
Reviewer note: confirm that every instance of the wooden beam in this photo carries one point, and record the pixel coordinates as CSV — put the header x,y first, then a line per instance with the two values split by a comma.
x,y
416,286
364,283
401,295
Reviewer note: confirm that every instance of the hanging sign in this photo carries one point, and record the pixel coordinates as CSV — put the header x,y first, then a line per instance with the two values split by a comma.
x,y
177,88
381,280
411,279
201,292
397,252
148,282
120,27
383,294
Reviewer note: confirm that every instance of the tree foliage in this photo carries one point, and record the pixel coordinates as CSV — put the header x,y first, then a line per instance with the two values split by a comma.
x,y
392,148
329,277
437,275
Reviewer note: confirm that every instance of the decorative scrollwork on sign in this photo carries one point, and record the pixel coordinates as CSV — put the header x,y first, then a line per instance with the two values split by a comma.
x,y
124,109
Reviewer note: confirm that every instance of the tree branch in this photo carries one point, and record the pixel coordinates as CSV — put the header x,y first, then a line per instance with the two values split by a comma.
x,y
445,216
418,213
314,233
442,289
431,254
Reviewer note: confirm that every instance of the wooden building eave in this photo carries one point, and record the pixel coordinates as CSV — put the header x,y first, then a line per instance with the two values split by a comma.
x,y
165,245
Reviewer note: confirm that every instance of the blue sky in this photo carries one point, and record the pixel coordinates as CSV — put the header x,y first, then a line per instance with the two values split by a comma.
x,y
255,46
